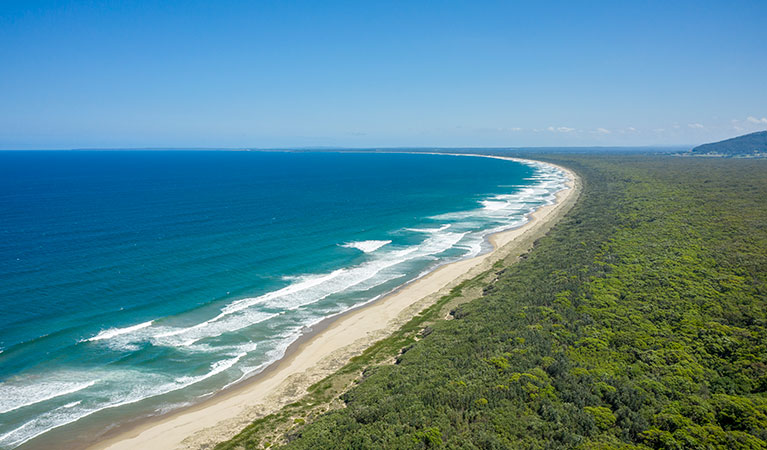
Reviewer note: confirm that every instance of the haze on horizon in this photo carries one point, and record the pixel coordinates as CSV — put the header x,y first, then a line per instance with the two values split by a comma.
x,y
280,74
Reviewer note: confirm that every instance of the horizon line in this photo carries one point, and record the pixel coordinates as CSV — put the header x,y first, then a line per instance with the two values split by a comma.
x,y
320,148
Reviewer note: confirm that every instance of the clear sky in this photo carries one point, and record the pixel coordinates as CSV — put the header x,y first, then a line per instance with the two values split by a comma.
x,y
80,74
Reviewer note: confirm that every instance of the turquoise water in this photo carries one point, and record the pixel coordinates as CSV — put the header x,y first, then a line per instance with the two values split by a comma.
x,y
133,283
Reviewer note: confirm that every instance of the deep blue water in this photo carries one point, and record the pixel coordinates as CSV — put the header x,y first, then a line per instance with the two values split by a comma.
x,y
134,282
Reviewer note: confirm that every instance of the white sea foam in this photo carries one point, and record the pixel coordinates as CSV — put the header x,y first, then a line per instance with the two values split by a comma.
x,y
313,288
429,230
306,283
215,369
302,291
366,246
494,205
112,332
134,387
183,337
14,396
53,419
507,208
473,246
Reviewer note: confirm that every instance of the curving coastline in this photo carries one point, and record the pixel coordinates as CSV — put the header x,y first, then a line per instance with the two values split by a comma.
x,y
329,346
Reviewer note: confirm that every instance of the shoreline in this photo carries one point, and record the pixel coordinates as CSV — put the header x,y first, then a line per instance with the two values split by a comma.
x,y
327,345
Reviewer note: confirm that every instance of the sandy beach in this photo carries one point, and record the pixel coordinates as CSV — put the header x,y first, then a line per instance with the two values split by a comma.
x,y
312,359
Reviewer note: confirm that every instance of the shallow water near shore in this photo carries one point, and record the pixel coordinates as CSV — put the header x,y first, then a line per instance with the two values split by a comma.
x,y
134,283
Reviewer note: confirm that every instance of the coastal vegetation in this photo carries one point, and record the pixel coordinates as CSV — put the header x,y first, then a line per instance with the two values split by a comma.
x,y
638,322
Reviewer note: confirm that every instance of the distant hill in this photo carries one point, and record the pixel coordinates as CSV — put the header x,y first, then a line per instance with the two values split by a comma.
x,y
752,145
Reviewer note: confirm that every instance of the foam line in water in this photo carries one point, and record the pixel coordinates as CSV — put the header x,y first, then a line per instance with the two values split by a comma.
x,y
210,328
429,230
112,332
317,287
215,369
141,386
493,205
13,397
306,283
303,291
366,246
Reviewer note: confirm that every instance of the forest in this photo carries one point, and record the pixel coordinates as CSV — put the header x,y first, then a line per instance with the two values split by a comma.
x,y
638,322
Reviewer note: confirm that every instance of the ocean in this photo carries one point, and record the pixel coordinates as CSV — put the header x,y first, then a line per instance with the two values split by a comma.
x,y
133,283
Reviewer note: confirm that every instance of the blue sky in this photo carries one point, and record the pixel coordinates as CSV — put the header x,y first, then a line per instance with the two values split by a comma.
x,y
362,74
